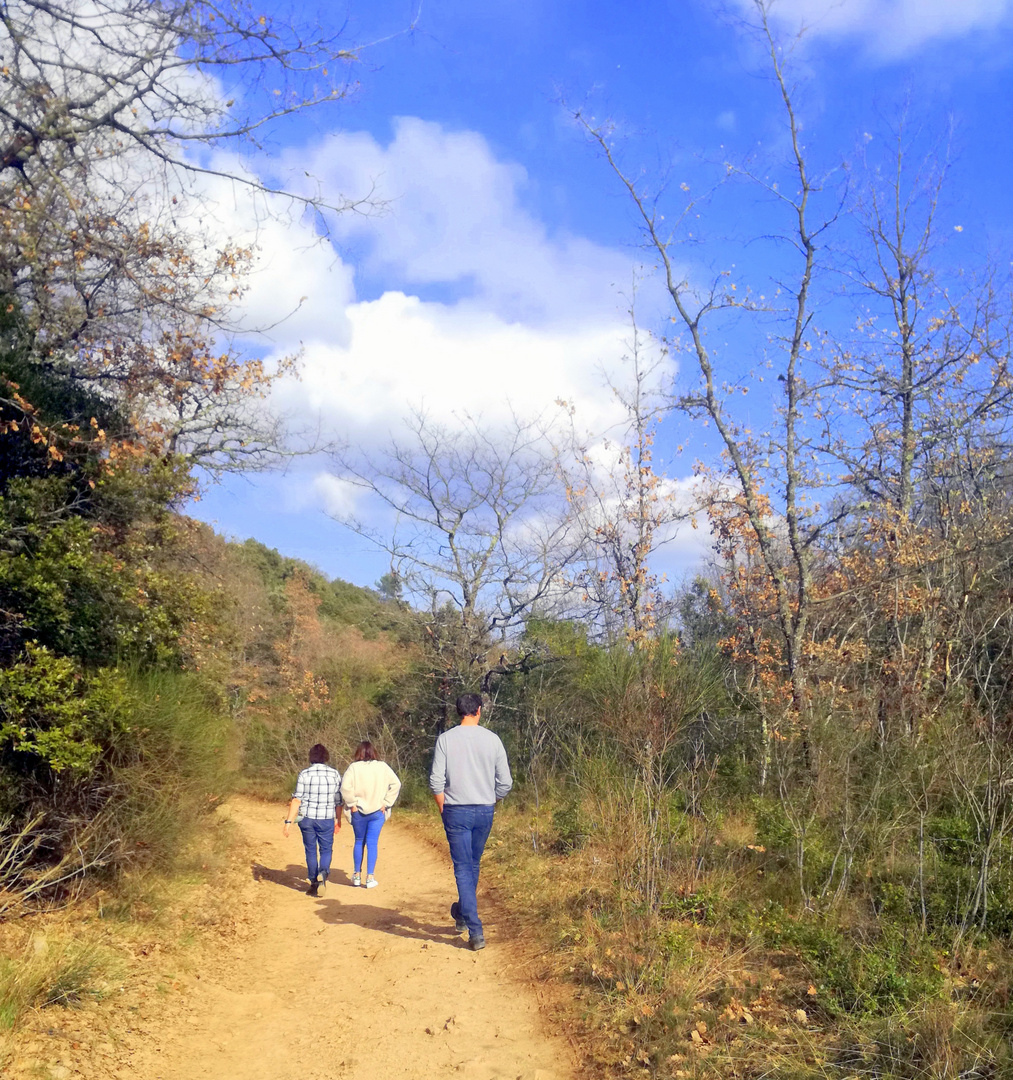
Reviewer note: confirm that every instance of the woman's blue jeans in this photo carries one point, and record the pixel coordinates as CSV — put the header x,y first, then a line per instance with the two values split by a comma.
x,y
317,832
467,828
367,834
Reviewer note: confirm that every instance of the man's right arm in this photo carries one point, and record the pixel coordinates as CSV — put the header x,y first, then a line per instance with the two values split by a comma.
x,y
298,797
293,809
438,773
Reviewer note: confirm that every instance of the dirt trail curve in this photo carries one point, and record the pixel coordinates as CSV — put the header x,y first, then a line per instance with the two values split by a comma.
x,y
359,984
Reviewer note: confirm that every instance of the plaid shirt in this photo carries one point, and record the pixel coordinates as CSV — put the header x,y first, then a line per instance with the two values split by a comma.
x,y
318,791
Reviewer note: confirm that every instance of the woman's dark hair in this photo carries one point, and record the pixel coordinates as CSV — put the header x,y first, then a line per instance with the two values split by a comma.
x,y
319,754
469,704
365,751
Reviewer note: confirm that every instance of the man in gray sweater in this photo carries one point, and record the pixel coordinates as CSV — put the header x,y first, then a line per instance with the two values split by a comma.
x,y
470,773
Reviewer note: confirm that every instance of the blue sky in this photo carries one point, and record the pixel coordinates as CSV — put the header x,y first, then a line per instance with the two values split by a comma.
x,y
499,265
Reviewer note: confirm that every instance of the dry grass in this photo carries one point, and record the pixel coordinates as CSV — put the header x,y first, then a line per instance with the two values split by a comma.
x,y
97,953
694,992
373,657
39,972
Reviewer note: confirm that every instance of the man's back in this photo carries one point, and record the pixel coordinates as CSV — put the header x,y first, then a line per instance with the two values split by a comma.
x,y
470,767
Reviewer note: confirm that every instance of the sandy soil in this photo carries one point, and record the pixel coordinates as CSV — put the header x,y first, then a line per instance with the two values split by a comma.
x,y
356,984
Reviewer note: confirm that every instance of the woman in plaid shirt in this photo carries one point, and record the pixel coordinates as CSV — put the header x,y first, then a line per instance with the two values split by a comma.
x,y
317,802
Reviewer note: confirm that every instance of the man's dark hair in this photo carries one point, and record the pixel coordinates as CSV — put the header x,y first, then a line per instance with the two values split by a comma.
x,y
365,751
469,704
319,754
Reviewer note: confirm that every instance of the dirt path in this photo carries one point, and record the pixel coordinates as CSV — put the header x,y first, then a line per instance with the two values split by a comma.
x,y
357,984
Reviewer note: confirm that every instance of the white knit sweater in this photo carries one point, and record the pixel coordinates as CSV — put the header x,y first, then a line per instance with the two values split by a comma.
x,y
369,785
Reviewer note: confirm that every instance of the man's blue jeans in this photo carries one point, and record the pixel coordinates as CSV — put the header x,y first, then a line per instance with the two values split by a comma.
x,y
467,828
317,832
367,833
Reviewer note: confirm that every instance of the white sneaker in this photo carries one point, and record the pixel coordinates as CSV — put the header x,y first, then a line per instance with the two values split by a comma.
x,y
371,882
356,880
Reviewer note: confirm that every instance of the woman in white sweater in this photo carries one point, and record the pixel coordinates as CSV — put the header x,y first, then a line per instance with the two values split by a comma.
x,y
368,790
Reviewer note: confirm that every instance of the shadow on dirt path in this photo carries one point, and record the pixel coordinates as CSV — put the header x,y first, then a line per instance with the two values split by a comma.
x,y
356,984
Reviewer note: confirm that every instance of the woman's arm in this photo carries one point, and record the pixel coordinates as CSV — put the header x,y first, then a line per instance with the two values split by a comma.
x,y
393,789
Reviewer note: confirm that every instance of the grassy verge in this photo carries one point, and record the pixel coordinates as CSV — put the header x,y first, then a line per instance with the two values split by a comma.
x,y
40,974
65,973
728,979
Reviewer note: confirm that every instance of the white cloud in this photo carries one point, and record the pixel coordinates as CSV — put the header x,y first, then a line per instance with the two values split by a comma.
x,y
298,287
336,496
449,359
454,217
891,28
525,317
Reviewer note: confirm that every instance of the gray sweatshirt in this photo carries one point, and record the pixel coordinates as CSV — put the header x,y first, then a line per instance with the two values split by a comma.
x,y
470,767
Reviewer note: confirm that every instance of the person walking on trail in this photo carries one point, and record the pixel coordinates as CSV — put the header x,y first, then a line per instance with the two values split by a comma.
x,y
470,774
368,791
317,808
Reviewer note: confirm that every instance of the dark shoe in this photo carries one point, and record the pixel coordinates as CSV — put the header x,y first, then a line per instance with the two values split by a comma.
x,y
476,943
455,913
313,889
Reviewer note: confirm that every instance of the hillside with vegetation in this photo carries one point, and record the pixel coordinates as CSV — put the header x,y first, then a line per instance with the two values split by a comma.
x,y
763,821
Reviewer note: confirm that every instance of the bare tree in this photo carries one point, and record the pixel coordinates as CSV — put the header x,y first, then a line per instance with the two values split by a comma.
x,y
115,116
930,363
623,507
771,501
480,535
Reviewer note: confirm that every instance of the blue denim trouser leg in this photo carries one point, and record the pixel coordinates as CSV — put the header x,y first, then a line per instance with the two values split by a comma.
x,y
467,829
367,833
317,832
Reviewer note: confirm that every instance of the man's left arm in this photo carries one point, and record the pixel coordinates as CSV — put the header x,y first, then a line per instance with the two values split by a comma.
x,y
504,781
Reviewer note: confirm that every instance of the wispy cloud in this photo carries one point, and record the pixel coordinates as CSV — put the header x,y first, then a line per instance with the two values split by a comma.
x,y
891,28
455,217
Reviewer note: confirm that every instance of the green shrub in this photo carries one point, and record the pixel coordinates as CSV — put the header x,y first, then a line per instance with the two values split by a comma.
x,y
170,768
953,836
96,587
55,718
879,975
415,793
571,826
773,829
699,906
892,900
